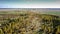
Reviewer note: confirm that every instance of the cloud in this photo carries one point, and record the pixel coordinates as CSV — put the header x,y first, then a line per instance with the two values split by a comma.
x,y
40,5
30,4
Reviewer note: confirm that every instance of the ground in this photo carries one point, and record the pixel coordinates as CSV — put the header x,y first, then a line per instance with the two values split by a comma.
x,y
27,22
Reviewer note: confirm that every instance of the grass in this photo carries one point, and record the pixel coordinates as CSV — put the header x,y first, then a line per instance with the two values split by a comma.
x,y
28,23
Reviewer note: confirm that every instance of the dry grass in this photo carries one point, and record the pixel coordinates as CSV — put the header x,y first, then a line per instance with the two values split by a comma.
x,y
29,23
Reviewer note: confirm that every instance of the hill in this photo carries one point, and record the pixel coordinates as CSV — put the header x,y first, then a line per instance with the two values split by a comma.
x,y
27,22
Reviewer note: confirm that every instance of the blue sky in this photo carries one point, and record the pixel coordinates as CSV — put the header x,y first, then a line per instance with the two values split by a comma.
x,y
29,3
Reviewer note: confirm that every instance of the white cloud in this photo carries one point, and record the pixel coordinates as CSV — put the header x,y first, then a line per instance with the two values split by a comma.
x,y
34,5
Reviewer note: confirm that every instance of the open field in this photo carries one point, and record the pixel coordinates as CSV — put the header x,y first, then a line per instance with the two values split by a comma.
x,y
29,21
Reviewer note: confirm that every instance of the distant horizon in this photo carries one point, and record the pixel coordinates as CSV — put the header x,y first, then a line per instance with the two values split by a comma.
x,y
52,11
33,8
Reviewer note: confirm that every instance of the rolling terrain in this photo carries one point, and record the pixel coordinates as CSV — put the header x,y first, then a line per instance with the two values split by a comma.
x,y
28,22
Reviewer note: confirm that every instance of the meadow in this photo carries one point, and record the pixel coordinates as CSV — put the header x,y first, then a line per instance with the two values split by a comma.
x,y
28,22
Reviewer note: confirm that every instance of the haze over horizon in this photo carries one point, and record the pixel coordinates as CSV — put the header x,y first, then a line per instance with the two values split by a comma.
x,y
52,11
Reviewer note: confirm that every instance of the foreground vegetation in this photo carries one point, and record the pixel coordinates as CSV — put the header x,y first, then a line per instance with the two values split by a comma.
x,y
29,23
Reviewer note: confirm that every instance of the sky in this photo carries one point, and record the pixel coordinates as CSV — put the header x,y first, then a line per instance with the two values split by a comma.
x,y
29,3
